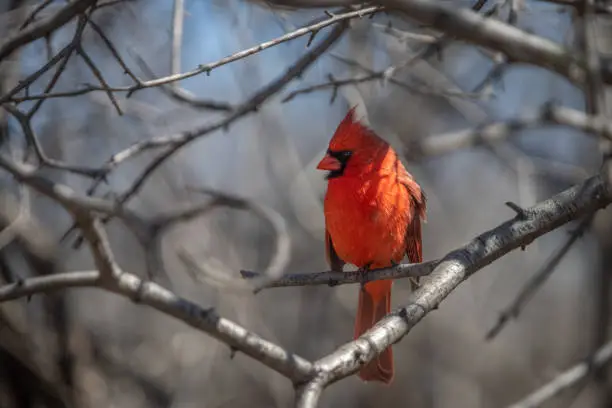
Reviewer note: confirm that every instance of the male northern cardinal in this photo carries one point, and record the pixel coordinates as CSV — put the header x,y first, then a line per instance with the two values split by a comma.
x,y
373,210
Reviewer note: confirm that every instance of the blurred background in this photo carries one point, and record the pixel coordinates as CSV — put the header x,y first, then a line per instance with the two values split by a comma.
x,y
86,348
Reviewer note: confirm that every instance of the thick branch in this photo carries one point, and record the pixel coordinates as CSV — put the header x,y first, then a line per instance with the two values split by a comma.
x,y
499,131
458,265
61,193
207,320
154,295
517,44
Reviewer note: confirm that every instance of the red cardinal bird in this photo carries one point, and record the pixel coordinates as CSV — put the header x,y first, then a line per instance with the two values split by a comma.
x,y
373,211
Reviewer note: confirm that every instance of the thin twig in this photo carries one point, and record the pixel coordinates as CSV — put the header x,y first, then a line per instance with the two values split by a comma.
x,y
567,379
207,68
113,50
98,74
538,279
49,283
24,122
43,28
599,7
76,39
332,278
176,142
547,115
26,82
182,95
40,7
385,75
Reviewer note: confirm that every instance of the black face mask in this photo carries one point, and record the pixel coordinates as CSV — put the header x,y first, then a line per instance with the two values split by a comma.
x,y
343,157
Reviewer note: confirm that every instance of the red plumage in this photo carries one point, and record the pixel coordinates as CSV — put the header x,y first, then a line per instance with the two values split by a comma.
x,y
373,211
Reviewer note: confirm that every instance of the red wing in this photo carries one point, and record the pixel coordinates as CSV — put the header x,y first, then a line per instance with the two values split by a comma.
x,y
418,204
414,243
332,257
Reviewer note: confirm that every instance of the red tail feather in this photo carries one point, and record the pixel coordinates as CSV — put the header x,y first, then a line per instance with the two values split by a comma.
x,y
374,304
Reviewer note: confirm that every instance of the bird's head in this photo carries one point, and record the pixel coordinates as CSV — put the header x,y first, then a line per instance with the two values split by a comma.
x,y
354,148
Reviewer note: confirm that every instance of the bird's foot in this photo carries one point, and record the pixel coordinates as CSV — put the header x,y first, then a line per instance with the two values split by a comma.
x,y
363,272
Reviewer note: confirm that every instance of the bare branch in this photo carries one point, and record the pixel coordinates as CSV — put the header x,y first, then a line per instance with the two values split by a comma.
x,y
64,54
20,224
63,194
44,27
161,299
332,278
48,283
538,279
40,7
61,66
95,235
498,131
207,68
161,223
567,379
405,36
24,122
183,95
207,320
307,395
174,90
518,45
282,254
176,142
600,8
384,76
113,50
98,74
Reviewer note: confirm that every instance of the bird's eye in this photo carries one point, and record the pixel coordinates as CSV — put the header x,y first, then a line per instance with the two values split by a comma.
x,y
341,155
345,154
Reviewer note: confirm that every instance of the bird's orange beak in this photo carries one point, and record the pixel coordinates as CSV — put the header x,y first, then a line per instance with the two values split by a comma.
x,y
329,163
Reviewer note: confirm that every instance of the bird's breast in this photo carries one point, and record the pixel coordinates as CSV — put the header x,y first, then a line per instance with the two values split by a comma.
x,y
367,219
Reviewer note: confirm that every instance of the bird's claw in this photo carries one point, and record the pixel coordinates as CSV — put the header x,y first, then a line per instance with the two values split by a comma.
x,y
363,272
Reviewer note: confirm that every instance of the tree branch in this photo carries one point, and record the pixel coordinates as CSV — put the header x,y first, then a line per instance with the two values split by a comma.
x,y
49,283
332,278
151,294
567,379
498,131
177,141
60,193
537,280
42,28
311,30
517,44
